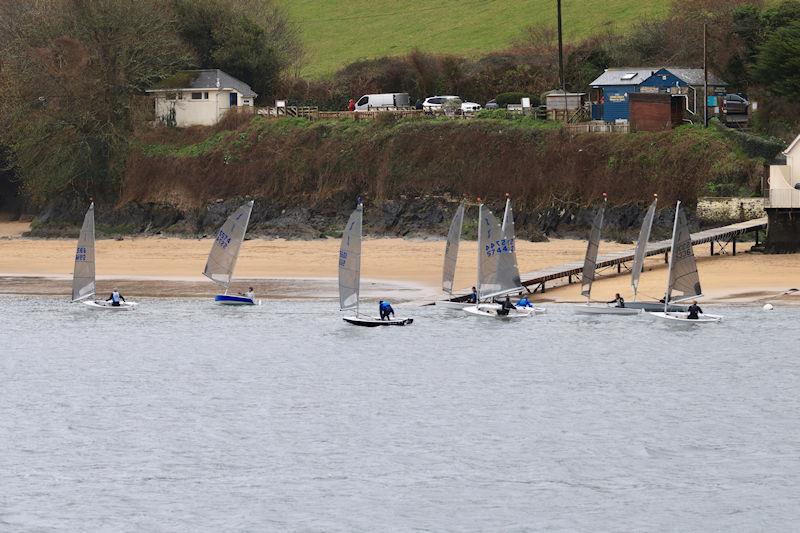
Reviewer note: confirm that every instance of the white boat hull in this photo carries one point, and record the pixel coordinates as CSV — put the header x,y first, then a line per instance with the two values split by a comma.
x,y
680,318
447,304
491,311
373,322
586,309
101,304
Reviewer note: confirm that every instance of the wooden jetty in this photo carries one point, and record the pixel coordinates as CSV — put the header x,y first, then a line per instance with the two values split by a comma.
x,y
723,237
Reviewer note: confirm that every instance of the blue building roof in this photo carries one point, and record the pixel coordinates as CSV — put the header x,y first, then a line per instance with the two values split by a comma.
x,y
638,75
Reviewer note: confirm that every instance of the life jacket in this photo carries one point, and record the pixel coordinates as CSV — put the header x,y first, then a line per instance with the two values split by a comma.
x,y
115,297
385,306
523,302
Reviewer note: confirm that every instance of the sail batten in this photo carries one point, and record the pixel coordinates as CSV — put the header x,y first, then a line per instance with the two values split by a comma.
x,y
683,277
590,261
225,250
83,276
498,273
451,250
641,247
350,261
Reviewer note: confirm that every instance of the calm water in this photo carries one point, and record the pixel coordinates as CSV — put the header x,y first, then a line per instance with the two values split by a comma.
x,y
183,416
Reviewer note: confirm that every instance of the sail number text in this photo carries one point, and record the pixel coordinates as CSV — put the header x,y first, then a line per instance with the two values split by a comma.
x,y
223,239
342,258
502,246
80,254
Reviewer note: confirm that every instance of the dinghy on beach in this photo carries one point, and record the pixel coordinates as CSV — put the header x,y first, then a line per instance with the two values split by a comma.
x,y
83,276
682,277
224,254
498,273
350,275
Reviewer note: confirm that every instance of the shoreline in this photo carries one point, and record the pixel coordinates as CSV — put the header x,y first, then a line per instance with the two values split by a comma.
x,y
396,268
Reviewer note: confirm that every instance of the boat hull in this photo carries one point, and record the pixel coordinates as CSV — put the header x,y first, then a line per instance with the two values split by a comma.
x,y
229,299
586,309
102,304
680,318
490,311
654,307
449,304
373,322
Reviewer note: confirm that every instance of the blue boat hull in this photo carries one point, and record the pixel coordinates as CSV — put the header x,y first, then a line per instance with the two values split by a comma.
x,y
228,299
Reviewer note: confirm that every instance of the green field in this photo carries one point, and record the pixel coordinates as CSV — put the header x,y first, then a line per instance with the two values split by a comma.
x,y
338,32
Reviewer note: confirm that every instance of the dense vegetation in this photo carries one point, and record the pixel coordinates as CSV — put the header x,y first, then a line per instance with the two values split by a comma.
x,y
296,162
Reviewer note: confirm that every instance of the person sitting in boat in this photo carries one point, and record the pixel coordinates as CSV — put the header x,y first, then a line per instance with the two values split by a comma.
x,y
524,302
385,309
115,298
618,300
473,296
694,311
249,294
506,306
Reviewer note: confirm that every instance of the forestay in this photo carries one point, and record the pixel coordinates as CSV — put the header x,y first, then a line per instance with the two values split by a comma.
x,y
641,247
451,250
225,250
590,261
497,264
350,261
683,276
83,277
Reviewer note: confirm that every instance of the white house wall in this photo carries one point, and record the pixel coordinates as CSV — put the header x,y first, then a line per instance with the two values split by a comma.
x,y
190,112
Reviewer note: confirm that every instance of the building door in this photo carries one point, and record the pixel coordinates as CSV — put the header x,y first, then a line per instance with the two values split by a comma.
x,y
234,99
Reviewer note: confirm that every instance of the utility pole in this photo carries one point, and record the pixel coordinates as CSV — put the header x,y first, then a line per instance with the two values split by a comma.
x,y
561,59
705,74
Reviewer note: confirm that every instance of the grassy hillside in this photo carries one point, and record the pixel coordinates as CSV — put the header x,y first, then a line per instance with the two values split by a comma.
x,y
336,33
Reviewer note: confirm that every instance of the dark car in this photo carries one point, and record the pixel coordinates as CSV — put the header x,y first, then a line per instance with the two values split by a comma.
x,y
736,104
491,104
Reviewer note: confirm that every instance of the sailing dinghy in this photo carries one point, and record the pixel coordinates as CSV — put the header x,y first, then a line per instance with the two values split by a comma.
x,y
450,260
350,275
682,277
83,276
498,274
590,269
224,254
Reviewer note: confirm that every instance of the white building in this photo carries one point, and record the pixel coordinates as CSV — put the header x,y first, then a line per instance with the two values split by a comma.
x,y
784,180
199,97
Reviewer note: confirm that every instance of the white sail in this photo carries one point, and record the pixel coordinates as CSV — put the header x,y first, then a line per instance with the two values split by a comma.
x,y
497,272
350,261
83,277
225,250
451,250
590,261
508,269
641,247
683,277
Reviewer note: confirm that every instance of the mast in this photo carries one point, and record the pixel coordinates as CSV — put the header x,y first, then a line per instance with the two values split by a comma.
x,y
671,257
360,209
480,232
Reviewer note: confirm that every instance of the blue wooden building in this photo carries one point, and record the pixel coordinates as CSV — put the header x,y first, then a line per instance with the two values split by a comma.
x,y
609,92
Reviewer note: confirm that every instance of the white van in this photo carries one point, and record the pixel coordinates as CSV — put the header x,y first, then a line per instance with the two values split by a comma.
x,y
376,102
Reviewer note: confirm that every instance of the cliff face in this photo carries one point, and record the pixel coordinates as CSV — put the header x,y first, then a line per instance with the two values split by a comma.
x,y
306,176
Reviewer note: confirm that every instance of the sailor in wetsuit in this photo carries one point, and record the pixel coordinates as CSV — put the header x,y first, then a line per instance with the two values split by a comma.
x,y
694,310
473,296
385,309
115,298
506,307
619,300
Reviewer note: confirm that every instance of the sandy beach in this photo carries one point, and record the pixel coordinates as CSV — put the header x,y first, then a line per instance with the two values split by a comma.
x,y
399,268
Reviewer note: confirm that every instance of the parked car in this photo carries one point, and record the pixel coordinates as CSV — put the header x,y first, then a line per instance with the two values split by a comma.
x,y
433,104
491,104
370,102
470,107
736,104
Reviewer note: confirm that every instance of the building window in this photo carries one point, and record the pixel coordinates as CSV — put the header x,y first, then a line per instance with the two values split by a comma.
x,y
197,96
205,96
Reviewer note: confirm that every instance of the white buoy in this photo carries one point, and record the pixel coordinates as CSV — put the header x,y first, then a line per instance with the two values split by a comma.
x,y
768,307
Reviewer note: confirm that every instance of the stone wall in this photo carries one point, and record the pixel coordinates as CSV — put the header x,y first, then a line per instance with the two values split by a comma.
x,y
721,211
